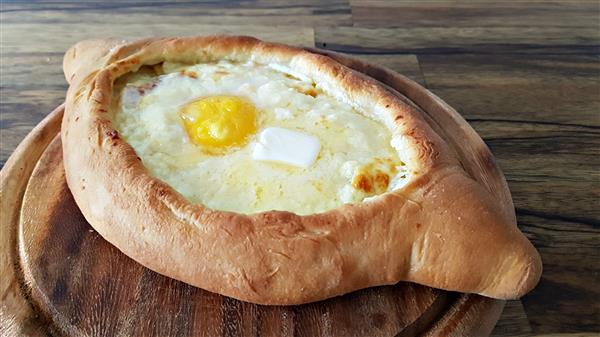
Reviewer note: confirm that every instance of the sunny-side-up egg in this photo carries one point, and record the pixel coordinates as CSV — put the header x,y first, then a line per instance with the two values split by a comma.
x,y
248,137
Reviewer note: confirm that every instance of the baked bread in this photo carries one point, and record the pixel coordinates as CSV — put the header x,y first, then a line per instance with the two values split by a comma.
x,y
442,229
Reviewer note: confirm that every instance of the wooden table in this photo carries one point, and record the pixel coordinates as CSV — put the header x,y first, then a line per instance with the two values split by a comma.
x,y
526,75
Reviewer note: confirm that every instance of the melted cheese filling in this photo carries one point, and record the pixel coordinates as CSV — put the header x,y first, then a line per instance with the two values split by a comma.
x,y
355,160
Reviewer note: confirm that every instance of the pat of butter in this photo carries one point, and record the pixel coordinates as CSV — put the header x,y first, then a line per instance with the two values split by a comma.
x,y
286,146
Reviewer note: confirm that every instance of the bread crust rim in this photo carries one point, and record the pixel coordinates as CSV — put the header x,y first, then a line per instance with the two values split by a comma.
x,y
257,257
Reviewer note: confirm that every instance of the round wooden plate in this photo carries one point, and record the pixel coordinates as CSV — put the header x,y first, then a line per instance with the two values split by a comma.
x,y
61,278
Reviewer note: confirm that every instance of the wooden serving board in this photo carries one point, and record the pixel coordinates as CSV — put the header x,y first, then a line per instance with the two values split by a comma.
x,y
59,277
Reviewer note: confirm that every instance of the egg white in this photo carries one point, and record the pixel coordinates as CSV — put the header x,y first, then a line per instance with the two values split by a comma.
x,y
147,117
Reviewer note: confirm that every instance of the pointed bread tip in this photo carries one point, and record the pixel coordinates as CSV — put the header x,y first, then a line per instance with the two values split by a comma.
x,y
83,57
469,243
522,271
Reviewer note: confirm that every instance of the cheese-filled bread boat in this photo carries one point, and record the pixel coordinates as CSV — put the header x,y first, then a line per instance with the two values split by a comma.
x,y
275,175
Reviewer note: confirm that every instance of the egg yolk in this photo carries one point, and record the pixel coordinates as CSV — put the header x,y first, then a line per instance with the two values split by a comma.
x,y
219,121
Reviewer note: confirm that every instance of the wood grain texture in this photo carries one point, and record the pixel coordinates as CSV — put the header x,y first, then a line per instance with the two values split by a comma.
x,y
296,13
16,316
76,278
369,13
513,321
460,40
525,74
548,147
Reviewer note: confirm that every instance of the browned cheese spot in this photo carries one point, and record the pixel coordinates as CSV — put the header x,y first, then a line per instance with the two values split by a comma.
x,y
188,73
372,178
382,181
311,92
363,182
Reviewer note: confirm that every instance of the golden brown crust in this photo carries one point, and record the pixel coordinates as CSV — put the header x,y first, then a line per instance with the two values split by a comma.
x,y
442,230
